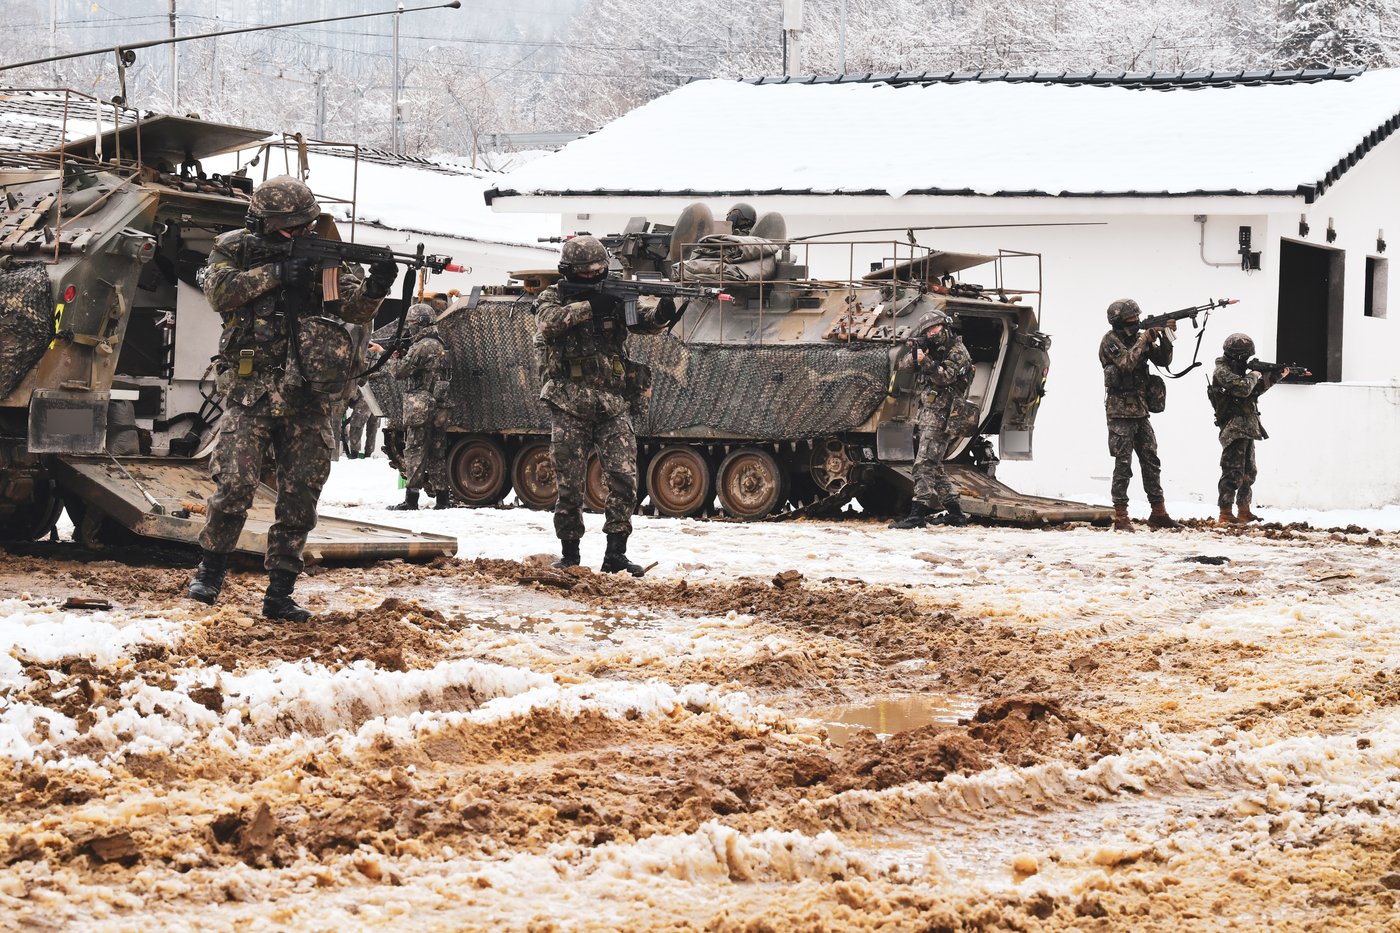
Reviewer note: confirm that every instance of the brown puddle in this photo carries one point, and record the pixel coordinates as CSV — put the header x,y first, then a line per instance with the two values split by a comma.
x,y
893,714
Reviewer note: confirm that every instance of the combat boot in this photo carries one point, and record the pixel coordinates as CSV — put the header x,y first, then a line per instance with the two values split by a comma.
x,y
208,580
1227,517
409,503
917,517
278,603
954,514
1246,515
570,552
443,501
615,557
1159,517
1121,521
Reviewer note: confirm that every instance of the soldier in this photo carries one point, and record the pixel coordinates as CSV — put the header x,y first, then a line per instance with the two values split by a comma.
x,y
284,359
1234,393
589,387
943,373
1124,353
423,378
741,219
363,424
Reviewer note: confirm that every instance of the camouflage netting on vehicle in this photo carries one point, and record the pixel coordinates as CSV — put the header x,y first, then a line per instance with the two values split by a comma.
x,y
26,321
772,392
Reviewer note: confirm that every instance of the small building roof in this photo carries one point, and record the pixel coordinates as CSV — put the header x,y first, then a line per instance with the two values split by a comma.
x,y
1099,134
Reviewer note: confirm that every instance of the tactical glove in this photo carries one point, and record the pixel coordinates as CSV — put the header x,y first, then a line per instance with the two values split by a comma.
x,y
382,275
298,275
666,312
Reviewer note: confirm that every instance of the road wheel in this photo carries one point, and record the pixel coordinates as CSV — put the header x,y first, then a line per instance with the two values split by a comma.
x,y
678,480
34,519
750,484
476,467
533,476
595,486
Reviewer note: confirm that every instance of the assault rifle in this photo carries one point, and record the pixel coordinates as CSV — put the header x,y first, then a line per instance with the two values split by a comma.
x,y
1294,369
627,291
1161,320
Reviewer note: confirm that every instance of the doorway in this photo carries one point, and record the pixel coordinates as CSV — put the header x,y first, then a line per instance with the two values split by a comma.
x,y
1310,293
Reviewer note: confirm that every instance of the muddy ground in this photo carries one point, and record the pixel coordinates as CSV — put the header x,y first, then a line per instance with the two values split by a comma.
x,y
1195,729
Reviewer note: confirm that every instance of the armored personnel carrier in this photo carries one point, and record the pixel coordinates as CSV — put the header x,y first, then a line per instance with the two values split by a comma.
x,y
106,400
785,396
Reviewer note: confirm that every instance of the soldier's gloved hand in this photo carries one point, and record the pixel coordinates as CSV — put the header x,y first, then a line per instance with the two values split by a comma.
x,y
383,274
298,274
666,312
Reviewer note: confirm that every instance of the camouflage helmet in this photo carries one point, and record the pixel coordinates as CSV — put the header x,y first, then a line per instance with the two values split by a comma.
x,y
583,255
420,316
1122,308
283,203
931,319
741,217
1239,345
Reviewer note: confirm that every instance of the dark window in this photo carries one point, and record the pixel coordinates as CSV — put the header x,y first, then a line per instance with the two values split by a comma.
x,y
1377,286
1310,309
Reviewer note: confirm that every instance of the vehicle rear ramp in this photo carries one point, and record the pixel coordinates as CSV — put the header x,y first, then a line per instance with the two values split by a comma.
x,y
989,499
156,498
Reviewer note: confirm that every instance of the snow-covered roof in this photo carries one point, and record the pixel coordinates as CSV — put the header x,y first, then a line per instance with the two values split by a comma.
x,y
41,121
1008,135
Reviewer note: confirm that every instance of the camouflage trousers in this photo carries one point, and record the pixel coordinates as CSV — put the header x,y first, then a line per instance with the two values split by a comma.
x,y
302,442
932,487
572,441
1127,436
425,456
1238,471
362,427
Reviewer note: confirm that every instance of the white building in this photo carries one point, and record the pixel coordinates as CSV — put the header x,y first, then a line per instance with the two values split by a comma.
x,y
1136,186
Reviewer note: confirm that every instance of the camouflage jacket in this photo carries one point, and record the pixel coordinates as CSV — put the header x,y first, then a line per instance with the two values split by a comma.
x,y
942,378
423,376
243,283
1125,372
583,352
1236,398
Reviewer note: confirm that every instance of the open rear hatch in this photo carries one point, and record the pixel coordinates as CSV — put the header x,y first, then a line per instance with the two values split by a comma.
x,y
156,498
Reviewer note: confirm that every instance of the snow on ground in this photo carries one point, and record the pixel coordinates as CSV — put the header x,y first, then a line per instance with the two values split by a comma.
x,y
1187,729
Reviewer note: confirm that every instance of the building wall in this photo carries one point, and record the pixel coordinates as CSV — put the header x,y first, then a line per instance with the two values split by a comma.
x,y
1331,446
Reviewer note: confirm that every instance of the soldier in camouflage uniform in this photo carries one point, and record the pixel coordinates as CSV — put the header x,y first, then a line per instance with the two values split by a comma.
x,y
1234,393
423,377
362,427
589,388
1124,354
943,373
284,359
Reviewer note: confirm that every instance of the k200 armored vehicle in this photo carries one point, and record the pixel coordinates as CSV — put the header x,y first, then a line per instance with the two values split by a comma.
x,y
784,395
106,394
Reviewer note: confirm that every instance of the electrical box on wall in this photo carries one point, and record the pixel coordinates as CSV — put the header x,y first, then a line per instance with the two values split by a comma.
x,y
1249,260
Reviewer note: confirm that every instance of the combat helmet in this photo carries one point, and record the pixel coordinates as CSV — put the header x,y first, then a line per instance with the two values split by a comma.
x,y
931,319
583,257
1239,346
1122,308
418,317
282,203
741,218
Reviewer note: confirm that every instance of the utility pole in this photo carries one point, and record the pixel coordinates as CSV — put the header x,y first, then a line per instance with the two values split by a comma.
x,y
792,32
53,41
321,104
395,132
174,66
841,42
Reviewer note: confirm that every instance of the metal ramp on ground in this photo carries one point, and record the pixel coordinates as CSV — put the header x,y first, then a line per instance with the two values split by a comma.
x,y
156,498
